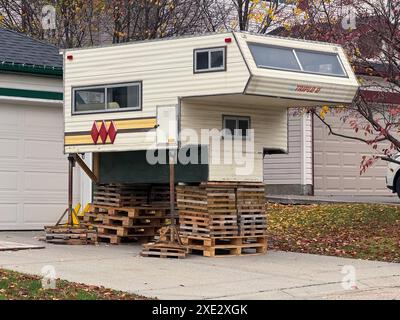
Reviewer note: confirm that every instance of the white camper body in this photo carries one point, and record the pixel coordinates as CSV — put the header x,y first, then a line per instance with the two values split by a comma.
x,y
174,72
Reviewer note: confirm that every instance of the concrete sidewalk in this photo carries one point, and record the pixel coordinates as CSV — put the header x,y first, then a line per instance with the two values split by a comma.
x,y
276,275
295,199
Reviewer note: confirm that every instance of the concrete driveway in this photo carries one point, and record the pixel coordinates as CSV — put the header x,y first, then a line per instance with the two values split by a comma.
x,y
277,275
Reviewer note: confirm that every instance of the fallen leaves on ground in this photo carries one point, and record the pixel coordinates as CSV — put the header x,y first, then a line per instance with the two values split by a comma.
x,y
362,231
17,286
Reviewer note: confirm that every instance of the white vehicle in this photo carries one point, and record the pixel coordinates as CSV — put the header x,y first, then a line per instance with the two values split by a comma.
x,y
393,175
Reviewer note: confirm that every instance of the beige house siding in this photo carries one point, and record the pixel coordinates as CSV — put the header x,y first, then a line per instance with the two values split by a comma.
x,y
27,82
284,173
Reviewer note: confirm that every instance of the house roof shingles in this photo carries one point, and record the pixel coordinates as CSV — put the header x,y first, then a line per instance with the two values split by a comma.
x,y
20,50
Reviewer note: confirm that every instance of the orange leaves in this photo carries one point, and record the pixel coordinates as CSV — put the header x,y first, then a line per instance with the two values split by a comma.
x,y
346,230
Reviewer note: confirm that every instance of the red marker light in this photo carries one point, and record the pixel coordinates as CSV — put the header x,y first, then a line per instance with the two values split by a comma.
x,y
70,57
228,40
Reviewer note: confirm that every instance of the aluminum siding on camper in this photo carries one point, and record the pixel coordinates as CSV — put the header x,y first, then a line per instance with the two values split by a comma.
x,y
269,124
165,68
280,83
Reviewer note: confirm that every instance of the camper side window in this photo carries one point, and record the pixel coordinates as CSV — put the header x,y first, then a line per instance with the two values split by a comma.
x,y
236,127
119,97
209,60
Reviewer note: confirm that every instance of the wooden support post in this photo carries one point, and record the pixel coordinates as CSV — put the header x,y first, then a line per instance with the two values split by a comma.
x,y
86,169
96,164
172,186
71,166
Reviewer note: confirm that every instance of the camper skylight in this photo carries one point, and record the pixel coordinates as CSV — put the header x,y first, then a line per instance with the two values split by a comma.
x,y
298,60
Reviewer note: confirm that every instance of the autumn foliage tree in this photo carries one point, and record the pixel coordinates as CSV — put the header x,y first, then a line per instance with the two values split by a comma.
x,y
91,22
369,31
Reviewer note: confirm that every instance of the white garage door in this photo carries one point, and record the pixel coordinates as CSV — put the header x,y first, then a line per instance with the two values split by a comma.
x,y
33,169
337,164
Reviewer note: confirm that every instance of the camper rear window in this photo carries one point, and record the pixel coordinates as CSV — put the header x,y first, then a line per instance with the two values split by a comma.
x,y
110,98
236,127
306,61
209,60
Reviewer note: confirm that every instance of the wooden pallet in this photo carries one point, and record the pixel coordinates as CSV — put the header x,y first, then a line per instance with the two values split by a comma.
x,y
131,195
206,232
120,195
227,246
213,226
117,240
161,250
121,221
127,224
216,209
201,199
159,194
69,235
133,231
92,218
146,212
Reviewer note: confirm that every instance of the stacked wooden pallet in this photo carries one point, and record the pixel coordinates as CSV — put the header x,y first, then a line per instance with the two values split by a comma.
x,y
70,235
131,195
116,225
226,246
223,218
250,199
120,195
159,194
207,211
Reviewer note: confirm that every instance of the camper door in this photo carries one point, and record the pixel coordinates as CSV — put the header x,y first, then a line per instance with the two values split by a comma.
x,y
167,126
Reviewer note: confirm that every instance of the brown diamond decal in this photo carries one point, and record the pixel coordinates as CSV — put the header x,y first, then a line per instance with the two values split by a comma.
x,y
103,132
95,133
112,132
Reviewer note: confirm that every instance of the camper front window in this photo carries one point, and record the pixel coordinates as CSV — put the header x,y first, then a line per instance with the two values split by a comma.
x,y
207,60
298,60
120,97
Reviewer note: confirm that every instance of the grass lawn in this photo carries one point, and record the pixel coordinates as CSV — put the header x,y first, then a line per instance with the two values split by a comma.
x,y
361,231
17,286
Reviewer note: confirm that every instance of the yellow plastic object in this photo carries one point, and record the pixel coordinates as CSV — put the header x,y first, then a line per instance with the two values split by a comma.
x,y
85,210
75,216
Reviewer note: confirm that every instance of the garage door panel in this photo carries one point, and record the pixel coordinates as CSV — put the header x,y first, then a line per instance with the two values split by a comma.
x,y
34,170
43,150
9,118
9,180
45,181
9,148
8,213
337,164
43,118
41,213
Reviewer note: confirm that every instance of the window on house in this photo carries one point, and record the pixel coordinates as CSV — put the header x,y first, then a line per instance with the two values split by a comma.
x,y
206,60
298,60
235,126
121,97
